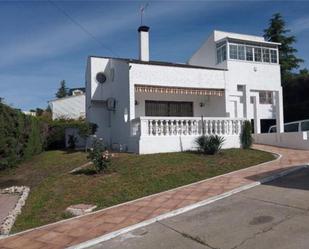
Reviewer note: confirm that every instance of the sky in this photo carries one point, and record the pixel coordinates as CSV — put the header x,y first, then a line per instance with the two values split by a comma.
x,y
44,42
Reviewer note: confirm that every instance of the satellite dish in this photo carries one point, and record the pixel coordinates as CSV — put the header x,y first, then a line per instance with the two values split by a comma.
x,y
111,104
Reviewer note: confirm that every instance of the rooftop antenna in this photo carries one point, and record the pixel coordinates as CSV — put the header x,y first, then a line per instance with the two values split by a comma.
x,y
142,10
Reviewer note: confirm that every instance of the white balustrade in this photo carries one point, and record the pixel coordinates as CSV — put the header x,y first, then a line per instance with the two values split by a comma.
x,y
185,126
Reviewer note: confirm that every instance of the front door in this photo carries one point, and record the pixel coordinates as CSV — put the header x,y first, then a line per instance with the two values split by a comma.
x,y
168,108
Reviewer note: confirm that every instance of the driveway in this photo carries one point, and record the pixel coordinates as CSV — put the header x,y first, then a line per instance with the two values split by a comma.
x,y
273,215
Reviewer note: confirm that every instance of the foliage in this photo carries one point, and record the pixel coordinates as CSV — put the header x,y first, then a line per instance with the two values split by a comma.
x,y
21,136
99,158
295,98
62,91
72,142
210,144
277,32
56,132
246,137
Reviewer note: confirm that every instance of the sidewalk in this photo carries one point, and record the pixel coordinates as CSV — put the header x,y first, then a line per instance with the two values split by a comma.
x,y
75,231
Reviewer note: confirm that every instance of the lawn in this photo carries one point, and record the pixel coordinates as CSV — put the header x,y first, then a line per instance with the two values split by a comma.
x,y
130,176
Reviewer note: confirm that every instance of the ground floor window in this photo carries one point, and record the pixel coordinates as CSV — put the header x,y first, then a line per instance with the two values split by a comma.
x,y
168,108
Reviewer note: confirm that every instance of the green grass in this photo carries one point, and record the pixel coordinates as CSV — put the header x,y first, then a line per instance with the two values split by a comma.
x,y
130,176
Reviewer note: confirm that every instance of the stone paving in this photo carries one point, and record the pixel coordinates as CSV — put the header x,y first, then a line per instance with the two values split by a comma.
x,y
81,229
7,203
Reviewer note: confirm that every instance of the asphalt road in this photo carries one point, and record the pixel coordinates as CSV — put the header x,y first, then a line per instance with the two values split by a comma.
x,y
273,215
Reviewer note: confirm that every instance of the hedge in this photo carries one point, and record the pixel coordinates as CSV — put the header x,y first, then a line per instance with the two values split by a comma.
x,y
21,136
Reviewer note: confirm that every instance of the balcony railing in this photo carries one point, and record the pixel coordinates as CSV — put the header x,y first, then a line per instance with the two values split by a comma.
x,y
185,126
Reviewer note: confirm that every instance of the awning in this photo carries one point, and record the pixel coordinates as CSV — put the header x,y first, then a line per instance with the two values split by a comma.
x,y
178,90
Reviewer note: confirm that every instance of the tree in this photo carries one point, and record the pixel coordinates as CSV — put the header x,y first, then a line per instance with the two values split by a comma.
x,y
62,91
304,72
276,32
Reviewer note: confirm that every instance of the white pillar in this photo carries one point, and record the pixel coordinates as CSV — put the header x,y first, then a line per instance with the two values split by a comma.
x,y
246,96
257,121
279,111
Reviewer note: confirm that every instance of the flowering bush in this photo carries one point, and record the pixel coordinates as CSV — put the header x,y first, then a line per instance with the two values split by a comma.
x,y
98,156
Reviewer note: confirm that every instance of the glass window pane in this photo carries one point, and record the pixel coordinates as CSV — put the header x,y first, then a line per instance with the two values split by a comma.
x,y
224,53
249,53
218,55
305,126
241,52
257,54
266,55
273,56
291,127
266,97
233,51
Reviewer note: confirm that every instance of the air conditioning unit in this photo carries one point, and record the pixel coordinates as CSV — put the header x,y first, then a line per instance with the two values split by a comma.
x,y
111,104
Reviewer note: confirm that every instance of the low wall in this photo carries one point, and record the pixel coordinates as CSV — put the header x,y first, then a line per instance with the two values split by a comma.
x,y
294,140
161,144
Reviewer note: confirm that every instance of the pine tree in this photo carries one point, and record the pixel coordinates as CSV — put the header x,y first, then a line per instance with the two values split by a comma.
x,y
62,91
276,32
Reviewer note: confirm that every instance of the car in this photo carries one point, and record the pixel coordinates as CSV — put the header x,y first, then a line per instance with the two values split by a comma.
x,y
296,126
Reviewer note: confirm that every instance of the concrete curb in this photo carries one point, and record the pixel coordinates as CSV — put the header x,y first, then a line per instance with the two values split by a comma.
x,y
185,209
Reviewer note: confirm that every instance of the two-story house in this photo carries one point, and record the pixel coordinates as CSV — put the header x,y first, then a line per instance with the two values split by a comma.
x,y
146,106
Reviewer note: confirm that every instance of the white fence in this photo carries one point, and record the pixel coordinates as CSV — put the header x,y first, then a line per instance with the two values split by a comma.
x,y
294,140
184,126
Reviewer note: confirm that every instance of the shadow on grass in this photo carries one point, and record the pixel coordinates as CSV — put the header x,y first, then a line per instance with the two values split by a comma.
x,y
86,171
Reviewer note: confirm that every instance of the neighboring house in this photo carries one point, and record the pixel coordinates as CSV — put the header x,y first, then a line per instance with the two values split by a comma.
x,y
69,107
30,113
148,106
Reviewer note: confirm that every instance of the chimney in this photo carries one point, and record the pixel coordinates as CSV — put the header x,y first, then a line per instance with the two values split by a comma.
x,y
143,43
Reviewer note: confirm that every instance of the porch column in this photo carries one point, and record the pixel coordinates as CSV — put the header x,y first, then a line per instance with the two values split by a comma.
x,y
246,96
257,120
279,111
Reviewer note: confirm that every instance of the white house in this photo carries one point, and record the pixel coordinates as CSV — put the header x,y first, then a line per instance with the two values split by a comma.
x,y
69,107
149,106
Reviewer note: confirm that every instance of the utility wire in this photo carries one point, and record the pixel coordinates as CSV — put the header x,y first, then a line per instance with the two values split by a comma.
x,y
80,26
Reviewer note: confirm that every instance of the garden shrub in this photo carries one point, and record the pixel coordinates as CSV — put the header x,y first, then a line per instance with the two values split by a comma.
x,y
99,158
21,136
210,144
245,136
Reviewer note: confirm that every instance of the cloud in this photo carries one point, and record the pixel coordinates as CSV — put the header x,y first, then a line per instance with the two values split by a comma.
x,y
299,25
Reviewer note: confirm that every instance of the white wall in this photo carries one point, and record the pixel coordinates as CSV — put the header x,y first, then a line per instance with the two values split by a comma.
x,y
176,76
294,140
111,125
148,145
72,107
214,105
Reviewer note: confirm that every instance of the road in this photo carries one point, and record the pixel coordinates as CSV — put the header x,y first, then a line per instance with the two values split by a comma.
x,y
272,215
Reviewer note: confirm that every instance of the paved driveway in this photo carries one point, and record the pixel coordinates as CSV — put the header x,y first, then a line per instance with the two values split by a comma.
x,y
274,215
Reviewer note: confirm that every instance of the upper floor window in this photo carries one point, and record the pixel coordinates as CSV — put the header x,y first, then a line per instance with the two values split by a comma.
x,y
252,53
273,56
266,97
221,53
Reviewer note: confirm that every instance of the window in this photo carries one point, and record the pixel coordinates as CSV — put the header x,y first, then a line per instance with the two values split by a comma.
x,y
233,51
249,53
221,53
273,56
291,127
266,55
266,97
257,54
169,108
241,52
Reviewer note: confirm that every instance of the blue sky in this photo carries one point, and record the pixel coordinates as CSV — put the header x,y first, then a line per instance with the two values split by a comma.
x,y
40,46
